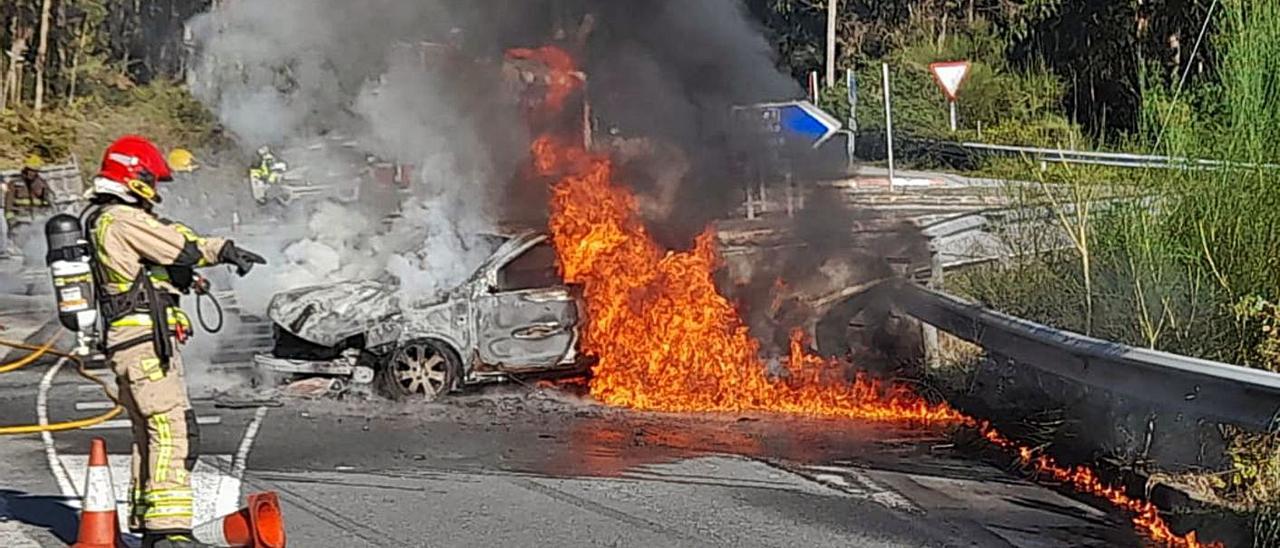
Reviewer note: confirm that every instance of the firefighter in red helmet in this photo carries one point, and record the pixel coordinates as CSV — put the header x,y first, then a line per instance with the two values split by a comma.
x,y
143,264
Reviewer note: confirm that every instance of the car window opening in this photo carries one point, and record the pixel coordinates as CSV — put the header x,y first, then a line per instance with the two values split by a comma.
x,y
533,269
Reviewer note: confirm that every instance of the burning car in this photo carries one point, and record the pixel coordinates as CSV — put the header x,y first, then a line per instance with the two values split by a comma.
x,y
514,316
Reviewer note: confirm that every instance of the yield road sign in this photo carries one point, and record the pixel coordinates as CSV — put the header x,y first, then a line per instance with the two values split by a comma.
x,y
950,76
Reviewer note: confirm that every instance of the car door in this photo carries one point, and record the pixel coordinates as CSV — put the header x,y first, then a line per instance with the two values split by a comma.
x,y
529,318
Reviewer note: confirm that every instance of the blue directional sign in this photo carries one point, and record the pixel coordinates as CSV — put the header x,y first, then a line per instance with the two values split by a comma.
x,y
798,120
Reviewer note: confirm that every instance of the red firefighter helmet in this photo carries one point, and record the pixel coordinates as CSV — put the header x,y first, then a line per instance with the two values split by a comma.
x,y
131,167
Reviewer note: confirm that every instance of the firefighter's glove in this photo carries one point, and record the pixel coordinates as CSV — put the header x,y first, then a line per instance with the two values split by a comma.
x,y
243,259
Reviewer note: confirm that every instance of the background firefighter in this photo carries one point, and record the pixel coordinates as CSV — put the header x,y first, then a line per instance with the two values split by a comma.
x,y
28,196
143,264
266,172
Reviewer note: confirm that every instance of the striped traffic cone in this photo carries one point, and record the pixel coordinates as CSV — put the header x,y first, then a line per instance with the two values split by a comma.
x,y
99,527
258,525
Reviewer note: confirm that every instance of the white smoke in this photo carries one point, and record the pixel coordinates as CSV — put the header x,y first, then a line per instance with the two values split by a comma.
x,y
295,73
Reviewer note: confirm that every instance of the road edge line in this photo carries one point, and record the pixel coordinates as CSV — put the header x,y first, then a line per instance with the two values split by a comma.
x,y
50,451
241,460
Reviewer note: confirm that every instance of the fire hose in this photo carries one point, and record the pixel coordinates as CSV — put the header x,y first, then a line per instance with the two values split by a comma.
x,y
38,352
202,290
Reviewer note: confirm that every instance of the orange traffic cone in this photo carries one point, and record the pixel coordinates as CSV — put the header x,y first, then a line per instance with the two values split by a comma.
x,y
99,527
258,525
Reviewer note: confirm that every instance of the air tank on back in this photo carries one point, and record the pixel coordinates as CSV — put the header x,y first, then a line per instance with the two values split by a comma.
x,y
70,260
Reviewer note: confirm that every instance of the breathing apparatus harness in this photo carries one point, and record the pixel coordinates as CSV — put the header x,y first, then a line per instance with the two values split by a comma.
x,y
86,308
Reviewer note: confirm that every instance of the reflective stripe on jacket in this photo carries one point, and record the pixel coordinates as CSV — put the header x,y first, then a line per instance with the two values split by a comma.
x,y
21,199
129,239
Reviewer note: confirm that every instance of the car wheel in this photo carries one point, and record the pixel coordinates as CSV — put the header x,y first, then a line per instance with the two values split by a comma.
x,y
424,369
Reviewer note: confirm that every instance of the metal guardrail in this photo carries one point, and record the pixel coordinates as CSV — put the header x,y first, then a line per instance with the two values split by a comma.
x,y
64,180
1221,392
1083,157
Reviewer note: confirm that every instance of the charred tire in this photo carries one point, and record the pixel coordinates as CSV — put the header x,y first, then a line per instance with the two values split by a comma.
x,y
425,369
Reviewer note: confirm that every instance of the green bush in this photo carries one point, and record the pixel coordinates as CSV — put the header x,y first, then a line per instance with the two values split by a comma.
x,y
998,103
1182,265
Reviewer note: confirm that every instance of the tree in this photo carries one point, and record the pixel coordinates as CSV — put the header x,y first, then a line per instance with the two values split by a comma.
x,y
18,36
63,41
42,51
1101,49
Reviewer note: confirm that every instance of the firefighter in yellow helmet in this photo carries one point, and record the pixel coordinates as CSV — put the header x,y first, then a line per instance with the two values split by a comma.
x,y
28,197
142,265
182,160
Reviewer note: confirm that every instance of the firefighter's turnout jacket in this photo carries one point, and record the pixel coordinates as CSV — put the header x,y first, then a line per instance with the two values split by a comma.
x,y
268,169
133,246
26,200
267,173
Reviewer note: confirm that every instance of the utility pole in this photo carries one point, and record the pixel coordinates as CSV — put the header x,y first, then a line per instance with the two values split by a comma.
x,y
833,6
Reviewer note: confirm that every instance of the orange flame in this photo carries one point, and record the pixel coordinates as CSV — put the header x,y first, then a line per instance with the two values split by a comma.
x,y
1084,480
667,340
563,78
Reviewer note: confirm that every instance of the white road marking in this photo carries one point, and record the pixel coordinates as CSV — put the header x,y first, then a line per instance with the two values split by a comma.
x,y
857,483
50,452
246,443
209,480
94,405
833,479
225,505
124,423
216,493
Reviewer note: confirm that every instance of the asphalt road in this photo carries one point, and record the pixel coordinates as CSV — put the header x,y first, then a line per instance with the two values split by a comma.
x,y
523,466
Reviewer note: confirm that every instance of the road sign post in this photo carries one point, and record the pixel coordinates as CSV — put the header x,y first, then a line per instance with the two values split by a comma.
x,y
950,76
785,126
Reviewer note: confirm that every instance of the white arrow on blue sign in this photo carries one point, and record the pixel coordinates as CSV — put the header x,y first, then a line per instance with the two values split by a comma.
x,y
800,120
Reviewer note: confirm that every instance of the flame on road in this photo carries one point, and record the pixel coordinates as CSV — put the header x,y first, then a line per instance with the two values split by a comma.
x,y
667,340
1084,480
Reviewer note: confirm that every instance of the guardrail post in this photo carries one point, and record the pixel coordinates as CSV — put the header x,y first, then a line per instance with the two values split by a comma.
x,y
929,333
764,198
791,196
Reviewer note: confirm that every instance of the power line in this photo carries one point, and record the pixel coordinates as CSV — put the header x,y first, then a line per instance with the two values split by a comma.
x,y
1204,28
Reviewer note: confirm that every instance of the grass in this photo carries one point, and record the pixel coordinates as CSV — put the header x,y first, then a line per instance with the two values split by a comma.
x,y
162,111
1194,266
1192,263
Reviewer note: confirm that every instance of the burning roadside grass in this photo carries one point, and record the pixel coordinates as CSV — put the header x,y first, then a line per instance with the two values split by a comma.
x,y
667,340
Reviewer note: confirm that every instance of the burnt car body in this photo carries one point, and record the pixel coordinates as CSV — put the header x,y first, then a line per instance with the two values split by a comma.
x,y
512,316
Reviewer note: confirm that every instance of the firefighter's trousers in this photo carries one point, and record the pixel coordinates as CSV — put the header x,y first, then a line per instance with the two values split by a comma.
x,y
165,435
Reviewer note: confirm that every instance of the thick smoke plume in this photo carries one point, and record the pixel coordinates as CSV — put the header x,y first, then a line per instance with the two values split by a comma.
x,y
294,73
421,82
328,84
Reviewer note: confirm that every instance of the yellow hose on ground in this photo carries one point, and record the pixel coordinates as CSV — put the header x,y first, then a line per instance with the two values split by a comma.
x,y
37,352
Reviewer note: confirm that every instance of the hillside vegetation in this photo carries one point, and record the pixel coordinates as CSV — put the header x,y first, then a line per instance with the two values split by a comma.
x,y
80,72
